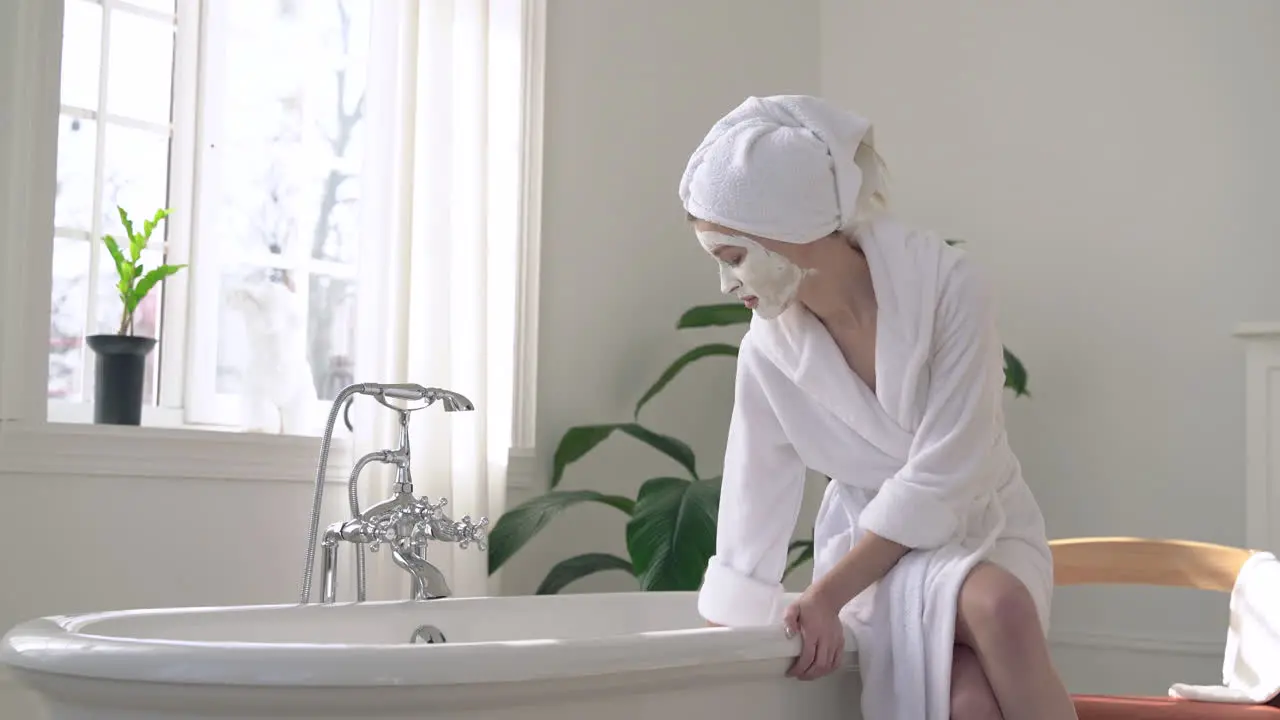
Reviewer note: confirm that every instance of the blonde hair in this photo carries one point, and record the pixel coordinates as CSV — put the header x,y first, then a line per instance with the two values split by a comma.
x,y
873,197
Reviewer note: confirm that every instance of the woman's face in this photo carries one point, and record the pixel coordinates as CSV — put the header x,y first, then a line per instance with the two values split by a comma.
x,y
758,271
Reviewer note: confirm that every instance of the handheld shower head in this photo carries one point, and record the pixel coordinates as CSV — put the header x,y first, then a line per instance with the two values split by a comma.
x,y
453,402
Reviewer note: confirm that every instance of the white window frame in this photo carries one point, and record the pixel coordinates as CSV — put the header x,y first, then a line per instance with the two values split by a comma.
x,y
168,410
33,442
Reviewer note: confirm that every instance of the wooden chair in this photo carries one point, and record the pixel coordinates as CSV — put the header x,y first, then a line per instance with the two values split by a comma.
x,y
1168,563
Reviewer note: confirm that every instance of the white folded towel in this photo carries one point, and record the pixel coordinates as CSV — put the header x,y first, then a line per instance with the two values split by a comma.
x,y
1251,660
767,169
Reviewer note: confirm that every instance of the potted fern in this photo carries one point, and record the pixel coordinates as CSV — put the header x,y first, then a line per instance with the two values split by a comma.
x,y
121,357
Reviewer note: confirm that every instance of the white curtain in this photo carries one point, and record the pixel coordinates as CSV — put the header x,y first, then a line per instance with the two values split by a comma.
x,y
441,310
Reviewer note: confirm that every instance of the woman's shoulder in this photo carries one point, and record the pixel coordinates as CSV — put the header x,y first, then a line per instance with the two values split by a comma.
x,y
915,255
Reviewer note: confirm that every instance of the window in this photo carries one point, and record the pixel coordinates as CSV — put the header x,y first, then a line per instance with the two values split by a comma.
x,y
114,134
248,119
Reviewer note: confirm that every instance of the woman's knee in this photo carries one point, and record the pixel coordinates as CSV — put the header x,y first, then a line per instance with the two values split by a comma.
x,y
995,606
971,694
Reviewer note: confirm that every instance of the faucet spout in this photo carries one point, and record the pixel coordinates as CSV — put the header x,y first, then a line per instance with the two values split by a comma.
x,y
427,582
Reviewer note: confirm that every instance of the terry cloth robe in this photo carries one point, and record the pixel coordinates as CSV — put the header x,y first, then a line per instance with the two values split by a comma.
x,y
922,460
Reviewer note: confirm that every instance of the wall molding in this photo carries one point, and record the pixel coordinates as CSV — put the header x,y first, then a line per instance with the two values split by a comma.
x,y
142,452
1148,644
1262,456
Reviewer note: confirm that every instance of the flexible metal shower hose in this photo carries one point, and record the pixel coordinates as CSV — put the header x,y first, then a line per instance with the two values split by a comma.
x,y
319,492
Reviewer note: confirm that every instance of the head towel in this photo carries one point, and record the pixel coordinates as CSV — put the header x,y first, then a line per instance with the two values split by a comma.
x,y
780,167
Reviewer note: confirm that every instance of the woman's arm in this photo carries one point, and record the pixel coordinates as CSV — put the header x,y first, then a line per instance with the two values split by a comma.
x,y
870,559
760,496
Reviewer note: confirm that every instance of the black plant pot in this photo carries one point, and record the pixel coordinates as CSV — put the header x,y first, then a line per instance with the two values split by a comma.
x,y
118,375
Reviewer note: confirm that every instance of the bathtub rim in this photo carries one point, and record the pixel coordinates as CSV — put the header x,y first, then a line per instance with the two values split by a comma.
x,y
60,645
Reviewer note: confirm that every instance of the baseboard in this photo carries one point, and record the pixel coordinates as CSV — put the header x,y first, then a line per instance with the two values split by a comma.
x,y
1152,645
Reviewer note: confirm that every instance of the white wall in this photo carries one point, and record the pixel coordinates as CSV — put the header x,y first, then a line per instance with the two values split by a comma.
x,y
1115,163
631,89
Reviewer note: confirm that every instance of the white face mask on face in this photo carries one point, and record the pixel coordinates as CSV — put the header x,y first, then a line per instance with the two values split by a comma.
x,y
764,279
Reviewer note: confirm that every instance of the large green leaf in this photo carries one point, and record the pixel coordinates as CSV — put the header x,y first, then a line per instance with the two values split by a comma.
x,y
576,443
714,315
1015,374
578,567
806,554
518,525
672,533
580,440
702,351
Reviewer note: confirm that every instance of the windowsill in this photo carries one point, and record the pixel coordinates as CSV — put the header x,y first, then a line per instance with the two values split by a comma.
x,y
205,453
81,448
62,412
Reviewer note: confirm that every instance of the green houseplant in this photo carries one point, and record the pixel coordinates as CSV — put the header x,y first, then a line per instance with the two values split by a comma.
x,y
121,356
670,525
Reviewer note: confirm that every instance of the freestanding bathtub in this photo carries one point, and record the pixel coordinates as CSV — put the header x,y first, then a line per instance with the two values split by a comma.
x,y
617,656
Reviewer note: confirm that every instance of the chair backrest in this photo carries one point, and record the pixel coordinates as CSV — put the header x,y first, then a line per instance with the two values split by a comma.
x,y
1140,561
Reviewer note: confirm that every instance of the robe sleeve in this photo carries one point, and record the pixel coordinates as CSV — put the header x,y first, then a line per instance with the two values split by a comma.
x,y
760,496
948,465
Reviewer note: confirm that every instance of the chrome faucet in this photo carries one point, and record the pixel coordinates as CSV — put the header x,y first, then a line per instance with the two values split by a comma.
x,y
405,522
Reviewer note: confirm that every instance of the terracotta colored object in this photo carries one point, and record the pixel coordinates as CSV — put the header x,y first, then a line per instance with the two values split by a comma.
x,y
1099,707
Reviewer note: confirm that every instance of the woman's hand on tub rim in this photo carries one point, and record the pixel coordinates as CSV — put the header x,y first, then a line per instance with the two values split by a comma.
x,y
821,636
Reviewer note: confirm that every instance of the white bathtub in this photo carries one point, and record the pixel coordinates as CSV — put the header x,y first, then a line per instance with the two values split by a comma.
x,y
622,656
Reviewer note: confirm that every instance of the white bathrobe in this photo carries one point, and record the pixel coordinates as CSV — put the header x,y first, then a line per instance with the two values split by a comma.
x,y
923,461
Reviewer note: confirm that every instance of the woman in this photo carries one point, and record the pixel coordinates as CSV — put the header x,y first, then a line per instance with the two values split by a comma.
x,y
873,358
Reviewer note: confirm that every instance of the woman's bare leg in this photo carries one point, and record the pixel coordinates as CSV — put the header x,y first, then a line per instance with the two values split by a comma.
x,y
997,619
971,694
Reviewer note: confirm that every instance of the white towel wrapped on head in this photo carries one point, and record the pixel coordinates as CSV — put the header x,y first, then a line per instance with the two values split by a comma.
x,y
1251,659
781,167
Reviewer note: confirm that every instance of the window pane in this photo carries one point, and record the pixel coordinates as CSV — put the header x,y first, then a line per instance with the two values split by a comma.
x,y
136,177
81,53
331,333
77,140
234,314
140,67
338,241
289,125
66,321
261,328
146,319
285,113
